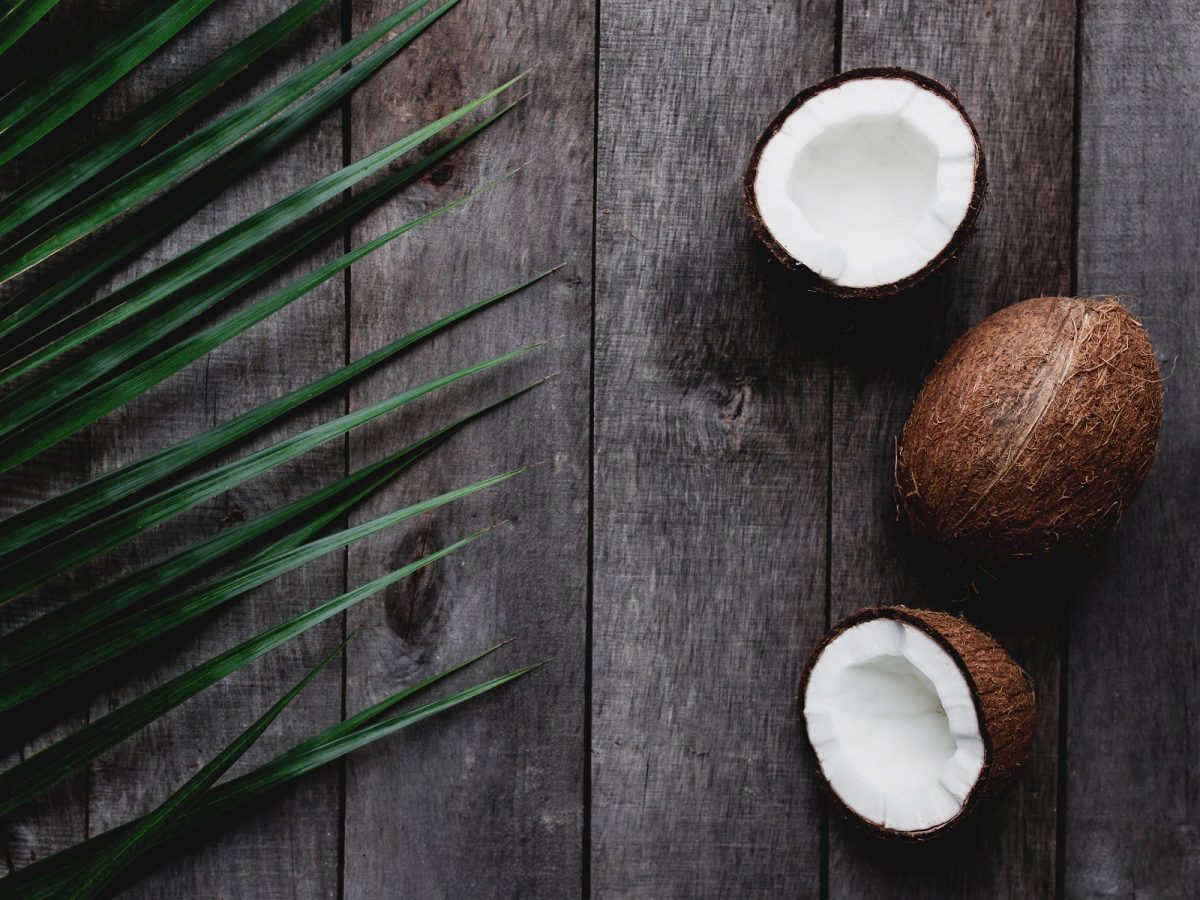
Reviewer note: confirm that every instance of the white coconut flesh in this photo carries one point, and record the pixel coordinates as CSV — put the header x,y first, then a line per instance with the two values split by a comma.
x,y
894,725
867,182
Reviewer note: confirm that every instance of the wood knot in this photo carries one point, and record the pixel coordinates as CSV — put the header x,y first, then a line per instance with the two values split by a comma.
x,y
411,605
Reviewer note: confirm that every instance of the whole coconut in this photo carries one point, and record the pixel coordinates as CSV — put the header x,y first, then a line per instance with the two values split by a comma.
x,y
1033,433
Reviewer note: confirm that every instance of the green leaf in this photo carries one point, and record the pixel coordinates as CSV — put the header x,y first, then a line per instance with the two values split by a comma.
x,y
289,525
160,283
47,877
31,776
50,559
173,163
45,102
96,396
19,16
35,195
227,165
95,877
166,616
72,506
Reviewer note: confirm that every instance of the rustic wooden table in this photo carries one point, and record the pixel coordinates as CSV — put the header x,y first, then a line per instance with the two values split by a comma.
x,y
716,455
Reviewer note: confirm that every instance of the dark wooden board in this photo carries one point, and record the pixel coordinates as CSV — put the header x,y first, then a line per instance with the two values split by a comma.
x,y
290,848
59,818
711,431
1133,795
488,802
708,496
1012,66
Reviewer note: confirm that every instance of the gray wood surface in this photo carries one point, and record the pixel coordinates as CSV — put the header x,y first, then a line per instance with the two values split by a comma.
x,y
60,818
1132,791
713,466
487,802
288,350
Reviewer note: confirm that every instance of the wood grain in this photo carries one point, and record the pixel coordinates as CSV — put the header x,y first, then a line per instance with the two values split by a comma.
x,y
1133,797
1012,66
488,802
711,418
59,818
290,847
693,524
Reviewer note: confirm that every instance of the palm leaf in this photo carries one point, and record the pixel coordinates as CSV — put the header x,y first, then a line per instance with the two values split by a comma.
x,y
173,163
45,427
74,505
161,282
20,573
47,877
93,878
289,526
147,225
19,355
19,16
54,763
38,193
47,101
149,623
130,338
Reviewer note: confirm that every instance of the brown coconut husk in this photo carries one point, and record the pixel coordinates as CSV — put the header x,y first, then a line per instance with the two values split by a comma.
x,y
811,279
1004,702
1032,435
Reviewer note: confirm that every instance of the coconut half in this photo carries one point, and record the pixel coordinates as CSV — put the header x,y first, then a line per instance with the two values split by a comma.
x,y
913,717
870,181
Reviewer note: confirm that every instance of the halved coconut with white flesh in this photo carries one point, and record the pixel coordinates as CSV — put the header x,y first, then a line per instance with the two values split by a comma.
x,y
914,716
870,181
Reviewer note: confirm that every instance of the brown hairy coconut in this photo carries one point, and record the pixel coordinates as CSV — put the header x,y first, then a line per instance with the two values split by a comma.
x,y
867,182
1033,433
914,718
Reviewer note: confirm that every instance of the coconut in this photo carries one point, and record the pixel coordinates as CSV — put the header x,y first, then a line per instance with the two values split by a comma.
x,y
914,718
1031,436
867,182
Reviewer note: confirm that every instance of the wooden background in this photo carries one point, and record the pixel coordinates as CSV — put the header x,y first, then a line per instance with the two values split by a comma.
x,y
715,460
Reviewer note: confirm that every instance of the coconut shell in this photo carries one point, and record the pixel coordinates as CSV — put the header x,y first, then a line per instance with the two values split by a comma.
x,y
1033,433
811,279
1004,702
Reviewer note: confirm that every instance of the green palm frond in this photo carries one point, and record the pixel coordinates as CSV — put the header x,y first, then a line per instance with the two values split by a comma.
x,y
163,617
55,762
287,526
203,146
18,16
222,165
70,354
41,105
47,877
161,282
77,504
93,878
80,167
23,572
84,394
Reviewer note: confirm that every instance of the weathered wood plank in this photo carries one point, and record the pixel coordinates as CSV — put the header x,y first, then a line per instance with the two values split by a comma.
x,y
488,802
59,818
1012,65
1133,798
711,437
292,849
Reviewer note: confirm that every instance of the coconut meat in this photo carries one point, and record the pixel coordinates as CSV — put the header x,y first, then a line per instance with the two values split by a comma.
x,y
867,182
893,722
